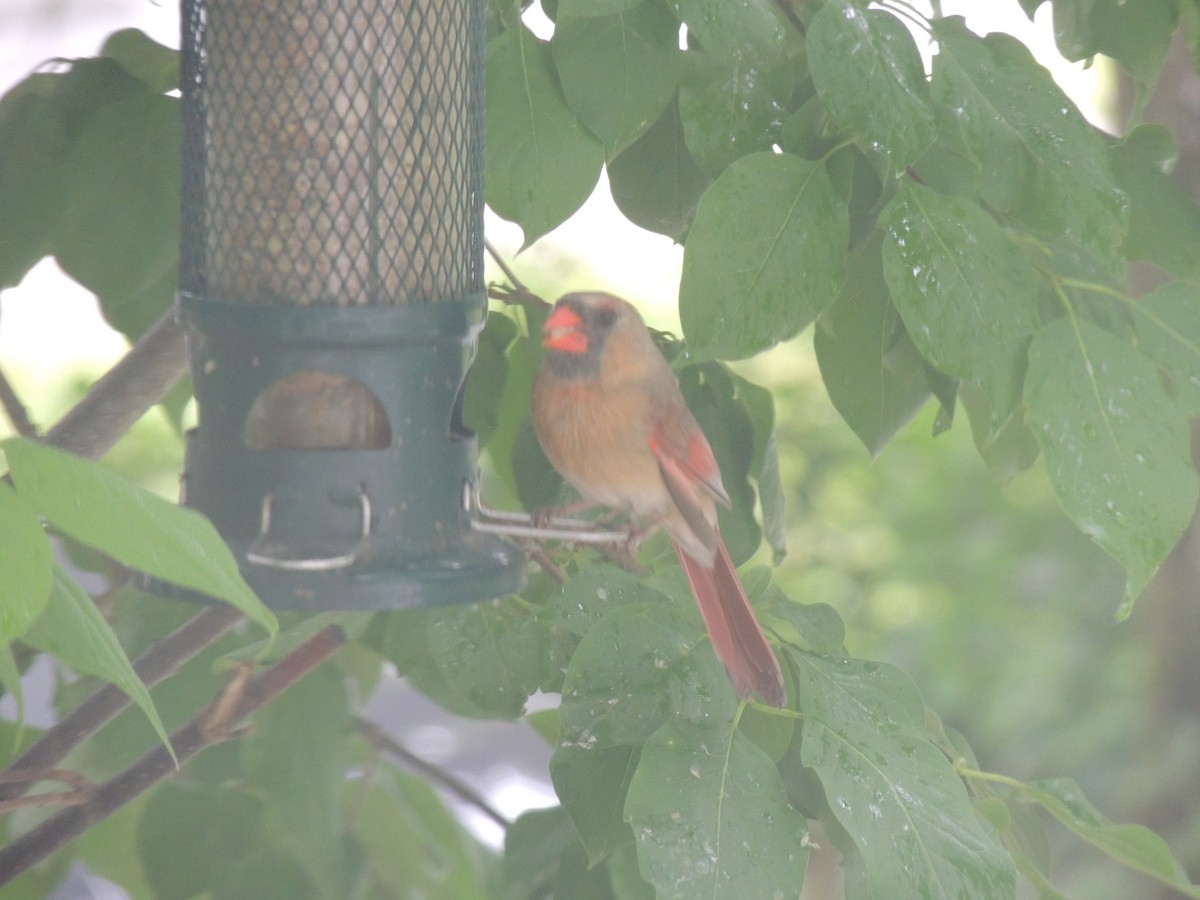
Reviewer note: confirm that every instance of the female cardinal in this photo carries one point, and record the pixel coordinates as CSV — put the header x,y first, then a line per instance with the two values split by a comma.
x,y
610,416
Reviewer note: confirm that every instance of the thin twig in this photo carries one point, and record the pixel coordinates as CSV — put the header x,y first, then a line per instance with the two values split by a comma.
x,y
15,409
81,788
381,740
504,266
125,392
518,294
220,721
160,661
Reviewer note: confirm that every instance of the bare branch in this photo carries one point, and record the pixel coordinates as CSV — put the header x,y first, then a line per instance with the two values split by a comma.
x,y
381,740
126,391
504,266
219,721
159,662
15,409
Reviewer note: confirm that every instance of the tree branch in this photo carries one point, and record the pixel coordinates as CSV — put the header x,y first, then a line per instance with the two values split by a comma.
x,y
125,392
15,409
220,721
381,740
160,661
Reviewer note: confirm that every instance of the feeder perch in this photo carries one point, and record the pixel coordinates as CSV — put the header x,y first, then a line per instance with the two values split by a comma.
x,y
331,286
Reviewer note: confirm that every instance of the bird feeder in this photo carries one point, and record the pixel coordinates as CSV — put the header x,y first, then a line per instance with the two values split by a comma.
x,y
331,286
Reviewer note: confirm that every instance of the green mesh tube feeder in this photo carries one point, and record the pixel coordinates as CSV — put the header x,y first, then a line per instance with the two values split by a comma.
x,y
331,285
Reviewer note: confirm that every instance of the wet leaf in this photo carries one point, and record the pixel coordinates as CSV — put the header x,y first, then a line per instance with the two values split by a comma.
x,y
618,72
895,793
967,296
1168,325
766,255
541,164
868,73
1039,158
139,529
1116,446
874,375
27,563
711,818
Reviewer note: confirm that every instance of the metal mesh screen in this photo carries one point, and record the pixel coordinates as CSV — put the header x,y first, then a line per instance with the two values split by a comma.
x,y
332,151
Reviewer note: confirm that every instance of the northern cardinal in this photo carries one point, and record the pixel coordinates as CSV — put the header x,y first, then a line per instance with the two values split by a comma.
x,y
611,419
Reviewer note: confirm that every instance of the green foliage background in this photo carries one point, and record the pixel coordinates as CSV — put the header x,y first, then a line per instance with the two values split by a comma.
x,y
960,241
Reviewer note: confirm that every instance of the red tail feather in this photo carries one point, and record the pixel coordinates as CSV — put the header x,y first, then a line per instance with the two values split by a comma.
x,y
740,644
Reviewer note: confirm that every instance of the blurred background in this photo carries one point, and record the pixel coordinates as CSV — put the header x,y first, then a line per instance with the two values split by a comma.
x,y
983,592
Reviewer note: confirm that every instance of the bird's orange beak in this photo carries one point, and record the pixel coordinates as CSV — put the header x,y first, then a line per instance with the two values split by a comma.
x,y
564,331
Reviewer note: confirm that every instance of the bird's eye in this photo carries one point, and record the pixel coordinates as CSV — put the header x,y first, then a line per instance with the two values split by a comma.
x,y
605,317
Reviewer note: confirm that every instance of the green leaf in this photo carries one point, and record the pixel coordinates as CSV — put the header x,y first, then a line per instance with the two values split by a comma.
x,y
1040,160
766,255
655,182
495,654
1134,845
711,817
639,666
815,626
868,73
595,7
739,33
413,845
612,701
1164,223
33,144
1007,447
109,849
1137,36
73,630
906,811
626,878
710,394
97,507
967,296
543,858
618,72
150,62
40,121
764,466
298,756
1116,447
895,793
874,375
189,834
731,111
592,784
487,376
541,163
595,591
1168,326
121,240
27,563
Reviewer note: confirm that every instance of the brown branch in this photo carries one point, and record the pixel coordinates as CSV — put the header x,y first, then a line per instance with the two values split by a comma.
x,y
125,392
785,7
220,721
15,409
160,661
381,740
